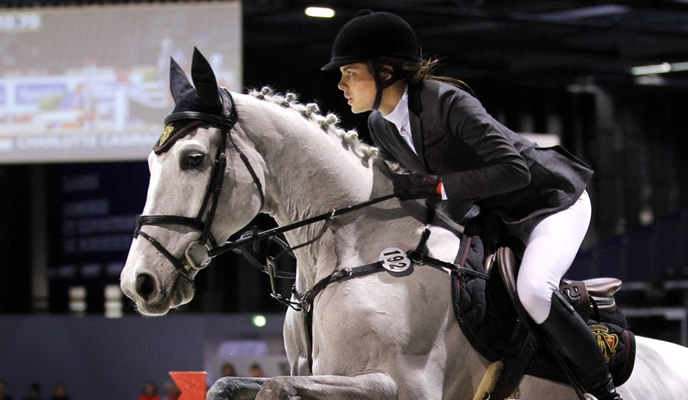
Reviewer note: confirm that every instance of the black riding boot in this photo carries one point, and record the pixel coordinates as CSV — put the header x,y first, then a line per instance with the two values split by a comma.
x,y
574,341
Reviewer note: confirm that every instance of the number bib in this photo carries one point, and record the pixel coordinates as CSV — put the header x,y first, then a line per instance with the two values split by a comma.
x,y
394,260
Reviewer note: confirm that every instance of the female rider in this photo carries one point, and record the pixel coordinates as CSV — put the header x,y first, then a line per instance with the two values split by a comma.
x,y
456,151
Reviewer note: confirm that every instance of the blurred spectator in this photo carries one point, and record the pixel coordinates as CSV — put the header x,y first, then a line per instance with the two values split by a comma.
x,y
172,392
227,369
3,391
149,392
34,392
256,371
60,392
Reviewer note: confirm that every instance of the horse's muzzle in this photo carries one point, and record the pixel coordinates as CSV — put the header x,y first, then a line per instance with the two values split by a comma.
x,y
153,297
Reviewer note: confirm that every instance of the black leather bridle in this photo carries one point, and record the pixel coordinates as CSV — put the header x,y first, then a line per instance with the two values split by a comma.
x,y
185,264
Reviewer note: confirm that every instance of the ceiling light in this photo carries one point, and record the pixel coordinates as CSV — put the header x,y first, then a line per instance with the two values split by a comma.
x,y
662,68
319,12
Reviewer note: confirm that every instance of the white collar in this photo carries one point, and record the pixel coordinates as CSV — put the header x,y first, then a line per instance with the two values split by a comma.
x,y
400,115
400,118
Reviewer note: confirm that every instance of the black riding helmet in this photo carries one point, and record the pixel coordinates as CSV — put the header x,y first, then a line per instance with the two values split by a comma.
x,y
371,36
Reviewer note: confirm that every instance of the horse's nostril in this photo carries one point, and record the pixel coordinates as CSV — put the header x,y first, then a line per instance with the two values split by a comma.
x,y
145,286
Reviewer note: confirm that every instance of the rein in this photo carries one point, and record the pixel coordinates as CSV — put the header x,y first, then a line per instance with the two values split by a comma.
x,y
270,267
327,217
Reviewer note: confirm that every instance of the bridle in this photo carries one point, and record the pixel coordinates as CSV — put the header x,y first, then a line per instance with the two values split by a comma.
x,y
185,264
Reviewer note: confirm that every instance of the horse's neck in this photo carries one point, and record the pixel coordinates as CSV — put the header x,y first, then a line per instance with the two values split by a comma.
x,y
313,183
310,172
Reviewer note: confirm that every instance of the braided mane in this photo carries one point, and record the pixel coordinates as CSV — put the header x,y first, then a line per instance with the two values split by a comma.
x,y
327,123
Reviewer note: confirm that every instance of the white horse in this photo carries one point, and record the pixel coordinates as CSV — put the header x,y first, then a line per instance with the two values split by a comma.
x,y
380,336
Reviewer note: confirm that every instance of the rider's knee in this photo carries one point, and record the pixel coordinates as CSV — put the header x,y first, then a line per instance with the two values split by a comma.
x,y
536,298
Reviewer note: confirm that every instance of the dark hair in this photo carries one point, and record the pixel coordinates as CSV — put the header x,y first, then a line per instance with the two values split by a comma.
x,y
414,72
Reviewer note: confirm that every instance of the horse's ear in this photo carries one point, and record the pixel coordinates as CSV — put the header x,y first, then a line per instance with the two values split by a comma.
x,y
179,83
204,78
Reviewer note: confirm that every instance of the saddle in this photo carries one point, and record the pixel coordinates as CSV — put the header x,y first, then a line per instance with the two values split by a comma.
x,y
492,318
591,298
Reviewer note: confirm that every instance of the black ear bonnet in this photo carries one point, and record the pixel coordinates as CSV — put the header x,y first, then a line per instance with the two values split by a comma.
x,y
206,104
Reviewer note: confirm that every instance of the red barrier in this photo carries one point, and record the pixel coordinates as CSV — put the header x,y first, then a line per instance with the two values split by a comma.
x,y
191,384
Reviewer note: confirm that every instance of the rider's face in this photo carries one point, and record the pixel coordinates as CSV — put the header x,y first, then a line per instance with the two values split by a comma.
x,y
358,86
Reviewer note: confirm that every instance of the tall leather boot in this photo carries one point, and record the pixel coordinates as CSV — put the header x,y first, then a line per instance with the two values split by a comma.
x,y
574,341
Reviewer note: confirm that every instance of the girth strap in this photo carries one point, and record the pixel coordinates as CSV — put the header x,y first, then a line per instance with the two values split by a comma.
x,y
343,274
305,302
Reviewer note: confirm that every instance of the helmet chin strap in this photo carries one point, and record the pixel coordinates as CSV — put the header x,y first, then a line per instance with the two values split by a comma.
x,y
380,85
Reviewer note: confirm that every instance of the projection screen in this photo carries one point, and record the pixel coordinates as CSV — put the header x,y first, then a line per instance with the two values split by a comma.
x,y
90,83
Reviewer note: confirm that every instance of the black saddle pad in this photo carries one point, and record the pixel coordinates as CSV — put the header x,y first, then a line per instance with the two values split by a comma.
x,y
488,319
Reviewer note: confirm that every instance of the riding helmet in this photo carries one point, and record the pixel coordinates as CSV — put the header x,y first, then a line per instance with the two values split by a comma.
x,y
372,35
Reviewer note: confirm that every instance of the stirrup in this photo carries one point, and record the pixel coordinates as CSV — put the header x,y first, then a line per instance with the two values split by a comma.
x,y
588,396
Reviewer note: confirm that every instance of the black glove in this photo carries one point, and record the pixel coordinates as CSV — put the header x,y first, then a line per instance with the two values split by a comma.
x,y
416,186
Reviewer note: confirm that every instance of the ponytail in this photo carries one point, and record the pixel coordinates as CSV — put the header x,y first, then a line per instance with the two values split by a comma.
x,y
414,72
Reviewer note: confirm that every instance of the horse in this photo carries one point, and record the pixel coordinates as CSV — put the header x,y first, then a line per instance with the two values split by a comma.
x,y
382,335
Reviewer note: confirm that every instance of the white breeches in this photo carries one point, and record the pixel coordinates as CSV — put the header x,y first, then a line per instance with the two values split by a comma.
x,y
550,250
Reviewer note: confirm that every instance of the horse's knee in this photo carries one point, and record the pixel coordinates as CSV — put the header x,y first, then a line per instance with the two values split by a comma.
x,y
222,389
277,388
230,388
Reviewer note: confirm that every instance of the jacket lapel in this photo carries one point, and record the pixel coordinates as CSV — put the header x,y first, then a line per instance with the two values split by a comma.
x,y
404,154
415,108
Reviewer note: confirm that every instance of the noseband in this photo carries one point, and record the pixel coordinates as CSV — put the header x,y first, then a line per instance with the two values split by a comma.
x,y
185,264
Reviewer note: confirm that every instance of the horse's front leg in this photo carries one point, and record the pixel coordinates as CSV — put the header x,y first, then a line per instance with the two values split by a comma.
x,y
235,388
373,386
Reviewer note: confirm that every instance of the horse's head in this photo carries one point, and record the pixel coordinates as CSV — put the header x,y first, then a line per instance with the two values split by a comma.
x,y
199,172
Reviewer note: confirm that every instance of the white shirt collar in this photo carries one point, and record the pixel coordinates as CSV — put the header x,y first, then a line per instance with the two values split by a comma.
x,y
400,115
400,118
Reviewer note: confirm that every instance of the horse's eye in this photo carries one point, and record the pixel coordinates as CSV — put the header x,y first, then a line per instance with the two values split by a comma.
x,y
192,160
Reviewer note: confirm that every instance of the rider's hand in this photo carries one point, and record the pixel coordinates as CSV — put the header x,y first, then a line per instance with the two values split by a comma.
x,y
417,186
